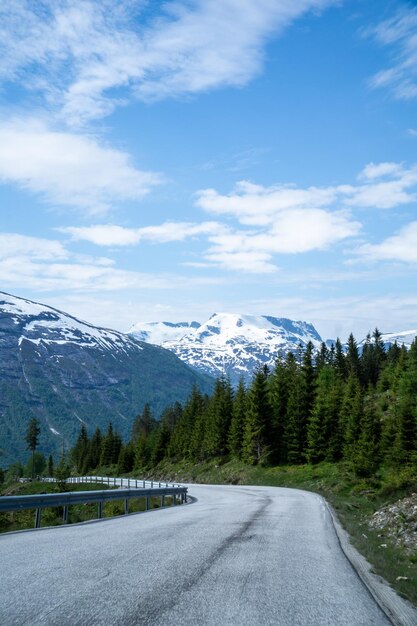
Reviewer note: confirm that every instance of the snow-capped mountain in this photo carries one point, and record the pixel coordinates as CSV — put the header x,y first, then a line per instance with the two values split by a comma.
x,y
159,332
66,372
405,337
231,344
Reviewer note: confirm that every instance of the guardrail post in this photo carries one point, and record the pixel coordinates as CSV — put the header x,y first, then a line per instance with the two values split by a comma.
x,y
162,501
126,507
128,483
151,484
100,510
144,484
38,518
175,499
65,515
147,503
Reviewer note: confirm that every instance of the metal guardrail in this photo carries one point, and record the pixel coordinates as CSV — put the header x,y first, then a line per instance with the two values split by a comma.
x,y
66,499
112,481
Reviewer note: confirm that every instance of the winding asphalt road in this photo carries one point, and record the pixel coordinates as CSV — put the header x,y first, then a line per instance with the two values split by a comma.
x,y
237,556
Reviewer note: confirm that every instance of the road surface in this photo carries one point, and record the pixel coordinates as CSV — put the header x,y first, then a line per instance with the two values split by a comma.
x,y
237,556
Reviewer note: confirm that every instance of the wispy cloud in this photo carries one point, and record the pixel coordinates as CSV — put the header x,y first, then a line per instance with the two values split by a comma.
x,y
77,53
399,33
114,235
67,168
400,247
270,221
44,265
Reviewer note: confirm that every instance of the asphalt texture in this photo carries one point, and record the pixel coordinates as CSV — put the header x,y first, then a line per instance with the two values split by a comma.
x,y
237,556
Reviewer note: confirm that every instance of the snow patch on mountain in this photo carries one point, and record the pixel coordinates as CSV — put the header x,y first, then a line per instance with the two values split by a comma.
x,y
159,332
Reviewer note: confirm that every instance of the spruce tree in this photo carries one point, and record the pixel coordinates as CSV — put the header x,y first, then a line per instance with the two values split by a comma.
x,y
351,414
32,440
279,384
324,429
50,466
237,424
80,450
353,363
365,452
256,438
218,418
406,410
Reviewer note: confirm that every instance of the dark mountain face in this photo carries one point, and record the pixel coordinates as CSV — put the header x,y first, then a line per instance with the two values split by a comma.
x,y
66,372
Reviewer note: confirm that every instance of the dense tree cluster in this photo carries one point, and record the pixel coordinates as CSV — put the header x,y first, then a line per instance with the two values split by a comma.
x,y
336,404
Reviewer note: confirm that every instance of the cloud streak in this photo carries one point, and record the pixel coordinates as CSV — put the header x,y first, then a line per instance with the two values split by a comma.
x,y
85,50
69,169
398,33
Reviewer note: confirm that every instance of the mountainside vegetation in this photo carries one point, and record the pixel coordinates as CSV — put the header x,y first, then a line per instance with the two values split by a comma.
x,y
327,406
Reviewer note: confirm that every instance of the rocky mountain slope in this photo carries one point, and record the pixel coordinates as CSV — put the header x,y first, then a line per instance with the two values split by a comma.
x,y
229,343
66,372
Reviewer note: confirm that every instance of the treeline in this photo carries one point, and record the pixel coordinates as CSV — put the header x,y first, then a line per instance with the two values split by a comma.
x,y
331,405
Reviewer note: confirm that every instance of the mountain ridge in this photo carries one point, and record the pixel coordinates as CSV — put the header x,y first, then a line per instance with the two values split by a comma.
x,y
234,344
66,372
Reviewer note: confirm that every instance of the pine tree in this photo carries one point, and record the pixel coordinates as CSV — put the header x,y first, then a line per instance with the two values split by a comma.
x,y
80,450
107,449
93,456
351,414
353,363
32,440
279,384
50,466
218,418
256,439
237,424
340,360
126,459
365,452
324,429
406,410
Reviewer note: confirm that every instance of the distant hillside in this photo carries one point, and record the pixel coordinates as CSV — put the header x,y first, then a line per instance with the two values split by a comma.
x,y
66,372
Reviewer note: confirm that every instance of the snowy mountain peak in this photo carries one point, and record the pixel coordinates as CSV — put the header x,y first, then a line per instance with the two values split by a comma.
x,y
230,343
39,323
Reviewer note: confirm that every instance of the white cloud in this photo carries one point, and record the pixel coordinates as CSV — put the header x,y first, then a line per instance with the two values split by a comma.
x,y
255,205
81,51
378,170
399,33
45,264
400,247
67,168
13,244
114,235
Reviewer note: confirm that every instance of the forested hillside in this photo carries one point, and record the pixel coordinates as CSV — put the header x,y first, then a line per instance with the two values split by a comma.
x,y
331,405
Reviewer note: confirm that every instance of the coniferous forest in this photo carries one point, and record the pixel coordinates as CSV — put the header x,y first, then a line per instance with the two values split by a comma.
x,y
337,404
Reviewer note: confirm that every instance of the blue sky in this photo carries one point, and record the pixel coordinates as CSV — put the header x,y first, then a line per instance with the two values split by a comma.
x,y
169,160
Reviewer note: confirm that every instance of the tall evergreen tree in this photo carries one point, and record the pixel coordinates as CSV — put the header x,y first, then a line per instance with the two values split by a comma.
x,y
365,452
351,414
353,363
279,385
80,450
256,441
237,424
32,440
218,418
324,430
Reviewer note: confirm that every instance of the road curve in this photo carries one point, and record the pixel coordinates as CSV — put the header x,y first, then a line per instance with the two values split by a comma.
x,y
237,556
